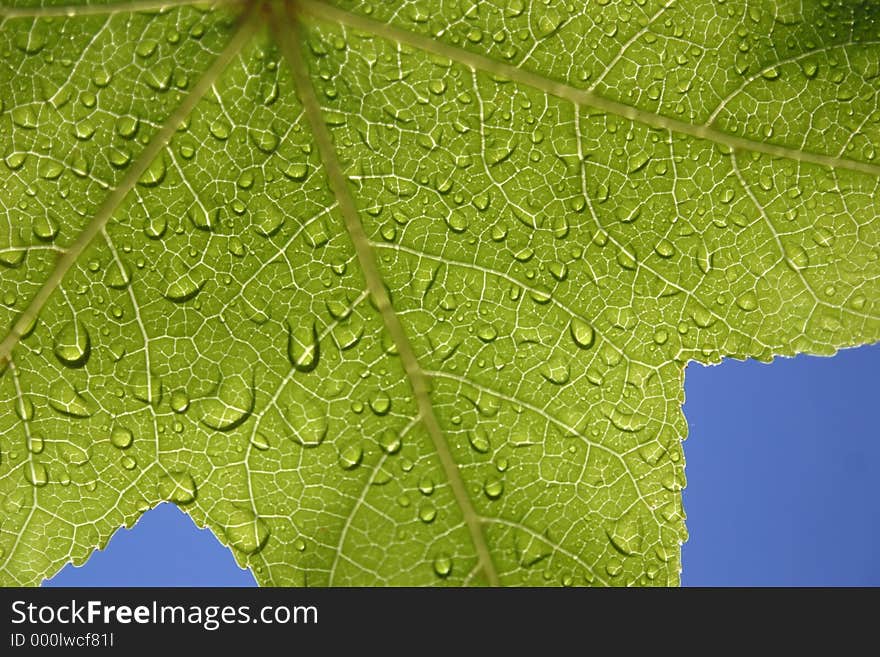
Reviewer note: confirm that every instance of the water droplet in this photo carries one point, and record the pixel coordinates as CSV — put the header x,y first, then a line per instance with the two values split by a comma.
x,y
268,222
49,169
311,430
84,130
184,288
664,248
427,513
303,347
661,336
177,487
457,222
45,229
36,473
236,247
702,317
24,117
442,565
426,485
260,441
128,462
629,422
390,441
638,162
121,437
810,68
73,344
479,440
36,444
118,275
556,370
380,403
265,140
154,174
625,535
487,333
747,301
232,405
614,567
146,388
582,333
244,529
493,487
25,409
351,457
704,258
179,401
219,129
127,126
796,257
823,237
296,171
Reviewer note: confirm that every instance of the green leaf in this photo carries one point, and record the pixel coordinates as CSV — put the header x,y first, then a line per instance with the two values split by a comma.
x,y
403,293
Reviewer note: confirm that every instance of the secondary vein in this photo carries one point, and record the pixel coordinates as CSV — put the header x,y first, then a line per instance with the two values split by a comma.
x,y
291,45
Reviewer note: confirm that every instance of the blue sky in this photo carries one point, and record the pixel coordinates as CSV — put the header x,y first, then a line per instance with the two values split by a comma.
x,y
782,465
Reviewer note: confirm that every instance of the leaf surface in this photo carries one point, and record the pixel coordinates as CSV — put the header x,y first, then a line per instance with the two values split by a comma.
x,y
403,293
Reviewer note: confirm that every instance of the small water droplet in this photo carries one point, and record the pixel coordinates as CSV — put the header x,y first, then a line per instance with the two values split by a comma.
x,y
296,171
219,129
36,444
260,441
426,485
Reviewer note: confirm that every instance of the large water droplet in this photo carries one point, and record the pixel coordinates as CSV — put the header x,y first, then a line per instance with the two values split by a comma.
x,y
154,174
245,530
65,399
45,228
390,441
380,403
73,344
310,429
36,473
121,437
351,457
582,333
177,487
303,347
184,287
118,275
747,301
493,487
479,440
556,370
232,405
442,565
